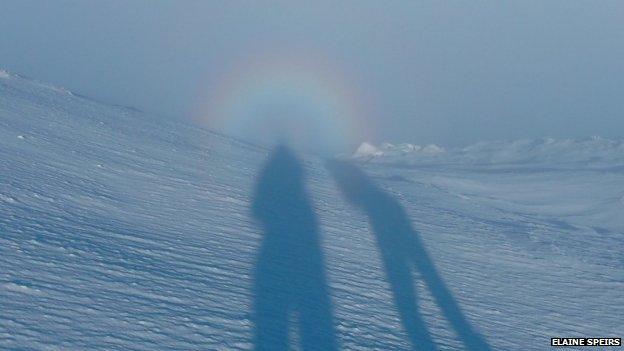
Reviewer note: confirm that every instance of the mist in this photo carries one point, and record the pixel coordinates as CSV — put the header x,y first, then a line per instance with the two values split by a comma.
x,y
450,73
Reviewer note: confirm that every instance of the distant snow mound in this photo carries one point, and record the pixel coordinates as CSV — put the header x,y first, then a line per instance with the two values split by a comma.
x,y
594,151
366,150
4,74
387,152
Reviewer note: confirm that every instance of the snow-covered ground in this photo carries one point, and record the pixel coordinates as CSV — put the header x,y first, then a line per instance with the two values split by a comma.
x,y
121,231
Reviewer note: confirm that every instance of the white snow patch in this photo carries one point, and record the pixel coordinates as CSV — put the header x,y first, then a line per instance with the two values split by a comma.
x,y
7,199
388,150
367,150
18,288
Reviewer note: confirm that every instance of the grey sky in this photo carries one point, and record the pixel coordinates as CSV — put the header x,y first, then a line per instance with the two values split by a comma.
x,y
445,72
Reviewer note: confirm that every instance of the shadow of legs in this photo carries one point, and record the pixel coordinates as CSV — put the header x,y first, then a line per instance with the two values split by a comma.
x,y
405,298
401,251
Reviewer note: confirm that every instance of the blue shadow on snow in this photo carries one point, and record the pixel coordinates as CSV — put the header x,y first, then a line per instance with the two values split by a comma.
x,y
289,282
402,252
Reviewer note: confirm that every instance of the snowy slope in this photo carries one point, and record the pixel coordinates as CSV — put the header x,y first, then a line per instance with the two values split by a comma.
x,y
575,182
123,232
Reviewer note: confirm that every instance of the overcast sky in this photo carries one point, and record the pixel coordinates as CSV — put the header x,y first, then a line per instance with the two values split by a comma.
x,y
444,72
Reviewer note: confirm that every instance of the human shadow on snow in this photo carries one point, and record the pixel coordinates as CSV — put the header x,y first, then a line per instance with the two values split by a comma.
x,y
289,283
402,252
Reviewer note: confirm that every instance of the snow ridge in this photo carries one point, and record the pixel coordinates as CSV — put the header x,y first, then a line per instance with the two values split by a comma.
x,y
594,150
17,79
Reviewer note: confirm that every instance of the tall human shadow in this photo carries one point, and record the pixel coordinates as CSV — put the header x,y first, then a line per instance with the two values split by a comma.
x,y
289,283
402,251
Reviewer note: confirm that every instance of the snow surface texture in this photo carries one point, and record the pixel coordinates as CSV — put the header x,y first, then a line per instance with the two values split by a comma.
x,y
123,232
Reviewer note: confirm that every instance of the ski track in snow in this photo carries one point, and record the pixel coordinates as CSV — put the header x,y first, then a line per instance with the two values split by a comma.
x,y
123,232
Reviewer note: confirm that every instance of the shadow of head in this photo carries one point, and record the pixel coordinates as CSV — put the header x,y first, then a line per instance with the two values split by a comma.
x,y
283,166
280,184
353,182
